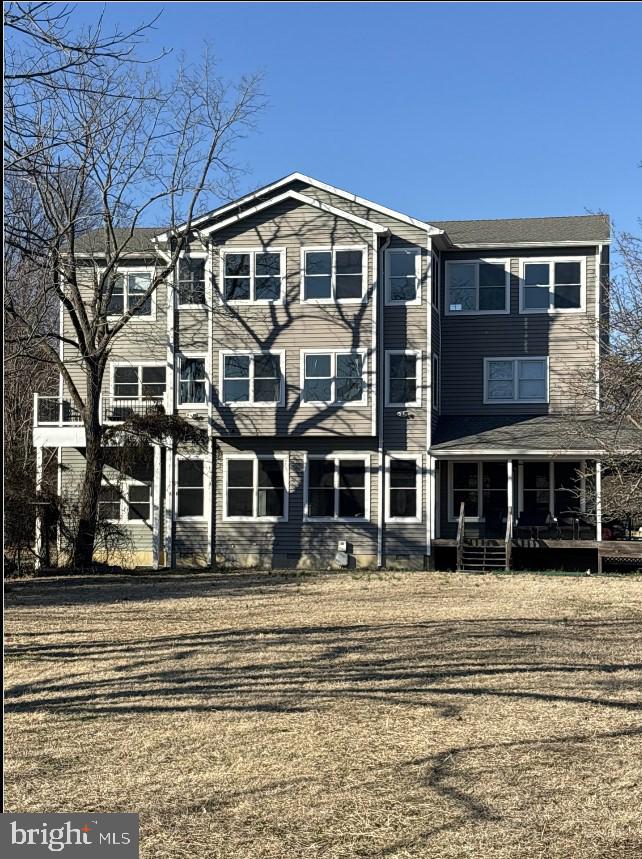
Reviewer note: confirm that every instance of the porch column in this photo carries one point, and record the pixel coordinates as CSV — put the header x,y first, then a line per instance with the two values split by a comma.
x,y
431,499
169,504
598,501
156,499
38,547
509,487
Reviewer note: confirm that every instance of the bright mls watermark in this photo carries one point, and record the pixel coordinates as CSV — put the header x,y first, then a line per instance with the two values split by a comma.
x,y
33,836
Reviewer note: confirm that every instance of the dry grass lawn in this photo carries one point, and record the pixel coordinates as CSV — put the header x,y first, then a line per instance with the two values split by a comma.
x,y
333,716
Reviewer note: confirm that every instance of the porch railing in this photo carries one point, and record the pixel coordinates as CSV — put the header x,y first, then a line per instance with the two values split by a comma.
x,y
460,536
52,411
508,539
115,410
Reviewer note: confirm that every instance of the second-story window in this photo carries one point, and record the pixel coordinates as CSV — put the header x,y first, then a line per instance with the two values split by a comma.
x,y
192,381
334,377
333,274
253,276
129,288
252,378
402,378
403,269
516,380
139,382
477,286
551,286
191,281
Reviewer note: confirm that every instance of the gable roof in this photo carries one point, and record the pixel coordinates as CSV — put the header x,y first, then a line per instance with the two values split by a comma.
x,y
301,198
316,183
141,242
573,229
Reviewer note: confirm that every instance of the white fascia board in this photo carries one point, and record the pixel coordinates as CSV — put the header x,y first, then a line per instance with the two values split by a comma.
x,y
517,452
316,183
517,245
302,198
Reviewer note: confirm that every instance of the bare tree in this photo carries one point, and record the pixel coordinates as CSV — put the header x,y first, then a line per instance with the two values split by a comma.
x,y
100,145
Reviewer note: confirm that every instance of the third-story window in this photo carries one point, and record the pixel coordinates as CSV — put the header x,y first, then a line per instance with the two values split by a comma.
x,y
252,276
255,488
127,293
551,286
333,274
191,281
516,380
192,381
402,378
402,276
336,488
333,377
252,378
476,286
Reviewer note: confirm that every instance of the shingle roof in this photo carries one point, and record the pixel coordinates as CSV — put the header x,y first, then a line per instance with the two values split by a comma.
x,y
531,432
141,241
574,228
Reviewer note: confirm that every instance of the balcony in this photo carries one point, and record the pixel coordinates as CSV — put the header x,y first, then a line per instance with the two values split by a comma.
x,y
57,422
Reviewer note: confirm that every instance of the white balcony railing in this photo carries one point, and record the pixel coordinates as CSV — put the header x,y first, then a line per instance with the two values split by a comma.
x,y
52,411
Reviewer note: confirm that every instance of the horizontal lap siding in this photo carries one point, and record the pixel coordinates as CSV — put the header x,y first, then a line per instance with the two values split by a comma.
x,y
566,338
293,327
294,536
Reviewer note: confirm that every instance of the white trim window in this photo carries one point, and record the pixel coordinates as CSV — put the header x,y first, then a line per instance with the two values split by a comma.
x,y
333,377
403,276
190,488
482,486
129,287
477,286
435,383
334,274
252,378
192,387
337,488
252,275
403,488
552,286
255,488
516,380
403,377
128,502
191,277
135,388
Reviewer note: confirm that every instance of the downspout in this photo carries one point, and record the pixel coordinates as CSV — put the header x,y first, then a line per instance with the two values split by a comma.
x,y
380,401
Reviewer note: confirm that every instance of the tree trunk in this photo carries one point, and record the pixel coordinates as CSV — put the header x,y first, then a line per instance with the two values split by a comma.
x,y
83,549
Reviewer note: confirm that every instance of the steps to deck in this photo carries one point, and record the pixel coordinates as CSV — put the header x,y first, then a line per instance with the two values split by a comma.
x,y
483,557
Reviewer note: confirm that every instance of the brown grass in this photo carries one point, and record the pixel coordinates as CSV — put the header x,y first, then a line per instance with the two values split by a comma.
x,y
416,715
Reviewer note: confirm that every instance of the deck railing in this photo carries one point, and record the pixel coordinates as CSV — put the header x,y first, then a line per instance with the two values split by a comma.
x,y
115,410
52,411
460,536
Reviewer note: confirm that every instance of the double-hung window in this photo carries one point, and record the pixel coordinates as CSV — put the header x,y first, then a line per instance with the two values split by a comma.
x,y
515,380
403,499
192,381
333,274
551,286
252,378
403,276
477,286
333,377
403,378
253,275
337,488
255,488
190,488
191,281
129,288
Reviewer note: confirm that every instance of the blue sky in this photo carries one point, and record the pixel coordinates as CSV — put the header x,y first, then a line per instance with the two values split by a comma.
x,y
481,110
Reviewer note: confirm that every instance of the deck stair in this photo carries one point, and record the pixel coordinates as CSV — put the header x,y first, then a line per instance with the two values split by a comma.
x,y
482,556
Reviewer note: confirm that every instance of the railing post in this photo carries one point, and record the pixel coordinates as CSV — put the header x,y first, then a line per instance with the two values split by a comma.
x,y
460,536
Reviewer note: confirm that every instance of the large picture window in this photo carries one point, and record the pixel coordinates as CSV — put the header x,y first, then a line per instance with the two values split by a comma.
x,y
337,488
333,274
515,380
255,488
551,285
403,377
333,377
253,275
252,378
477,286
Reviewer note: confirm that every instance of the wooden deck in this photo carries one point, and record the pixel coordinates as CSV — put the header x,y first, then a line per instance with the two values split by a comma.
x,y
607,548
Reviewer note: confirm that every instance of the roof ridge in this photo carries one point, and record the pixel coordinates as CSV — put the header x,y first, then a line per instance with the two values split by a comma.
x,y
536,218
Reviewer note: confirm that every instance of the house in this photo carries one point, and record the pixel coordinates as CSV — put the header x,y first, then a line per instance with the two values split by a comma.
x,y
376,389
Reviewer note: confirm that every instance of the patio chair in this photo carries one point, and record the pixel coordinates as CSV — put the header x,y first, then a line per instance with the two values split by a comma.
x,y
534,522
